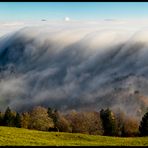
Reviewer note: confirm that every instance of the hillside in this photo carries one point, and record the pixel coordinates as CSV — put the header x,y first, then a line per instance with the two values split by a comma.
x,y
15,136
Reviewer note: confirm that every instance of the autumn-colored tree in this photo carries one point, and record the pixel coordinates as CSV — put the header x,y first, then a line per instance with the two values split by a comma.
x,y
94,123
85,122
63,124
25,120
130,127
127,126
120,119
39,119
77,122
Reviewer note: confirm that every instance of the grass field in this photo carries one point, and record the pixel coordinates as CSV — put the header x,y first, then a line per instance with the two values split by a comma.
x,y
23,137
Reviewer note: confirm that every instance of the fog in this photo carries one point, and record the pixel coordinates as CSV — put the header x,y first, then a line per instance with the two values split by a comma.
x,y
75,65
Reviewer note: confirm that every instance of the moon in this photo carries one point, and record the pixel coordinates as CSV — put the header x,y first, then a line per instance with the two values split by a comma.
x,y
67,19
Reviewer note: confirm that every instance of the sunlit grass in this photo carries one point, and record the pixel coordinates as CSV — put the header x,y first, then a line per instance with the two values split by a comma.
x,y
23,137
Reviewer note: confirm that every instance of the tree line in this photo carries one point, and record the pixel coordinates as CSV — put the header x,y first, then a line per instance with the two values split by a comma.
x,y
105,122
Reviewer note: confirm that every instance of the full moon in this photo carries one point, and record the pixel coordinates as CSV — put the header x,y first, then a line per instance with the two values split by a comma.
x,y
67,19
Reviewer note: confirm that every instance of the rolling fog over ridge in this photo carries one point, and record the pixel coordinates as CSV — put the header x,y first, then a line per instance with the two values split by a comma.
x,y
75,65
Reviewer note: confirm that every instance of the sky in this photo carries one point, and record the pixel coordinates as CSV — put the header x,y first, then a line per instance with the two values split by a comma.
x,y
73,10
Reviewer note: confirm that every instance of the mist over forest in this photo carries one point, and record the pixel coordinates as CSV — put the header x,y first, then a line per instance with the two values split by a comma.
x,y
75,66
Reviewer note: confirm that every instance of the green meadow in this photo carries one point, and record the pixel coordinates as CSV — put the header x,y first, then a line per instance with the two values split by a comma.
x,y
24,137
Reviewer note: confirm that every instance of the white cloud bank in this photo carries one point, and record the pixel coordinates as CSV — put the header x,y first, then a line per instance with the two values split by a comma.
x,y
131,25
74,64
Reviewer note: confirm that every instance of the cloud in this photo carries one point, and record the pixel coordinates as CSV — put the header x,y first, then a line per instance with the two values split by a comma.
x,y
74,66
13,24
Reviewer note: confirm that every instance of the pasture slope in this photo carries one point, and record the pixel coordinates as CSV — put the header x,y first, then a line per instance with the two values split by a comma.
x,y
24,137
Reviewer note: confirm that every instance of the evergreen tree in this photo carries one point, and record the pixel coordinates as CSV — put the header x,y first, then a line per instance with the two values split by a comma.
x,y
54,115
108,122
143,128
18,120
9,118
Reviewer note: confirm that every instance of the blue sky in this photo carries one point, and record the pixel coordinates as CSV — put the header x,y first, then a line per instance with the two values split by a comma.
x,y
73,10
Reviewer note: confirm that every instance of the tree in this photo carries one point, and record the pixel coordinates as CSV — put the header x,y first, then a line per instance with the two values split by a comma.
x,y
39,119
85,122
63,124
130,127
120,119
54,115
143,128
94,123
25,120
108,122
76,120
17,120
9,117
126,126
